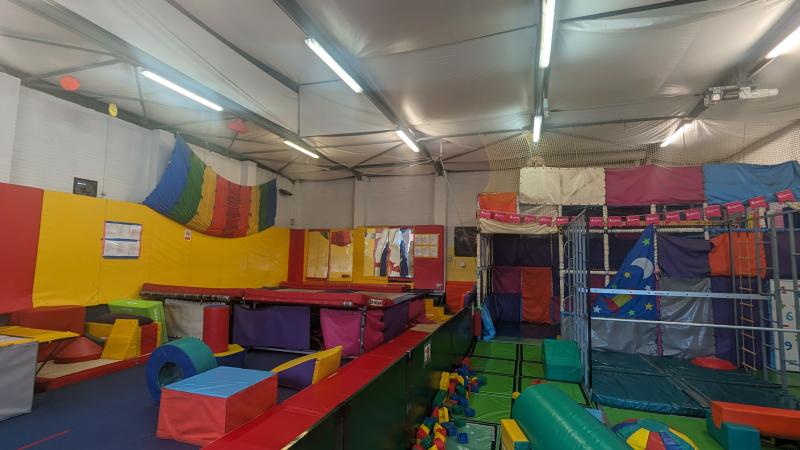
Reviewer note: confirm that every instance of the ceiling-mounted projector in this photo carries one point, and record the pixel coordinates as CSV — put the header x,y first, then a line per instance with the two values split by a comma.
x,y
717,94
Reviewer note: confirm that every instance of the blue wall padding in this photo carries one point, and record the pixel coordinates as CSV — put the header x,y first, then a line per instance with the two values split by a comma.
x,y
739,182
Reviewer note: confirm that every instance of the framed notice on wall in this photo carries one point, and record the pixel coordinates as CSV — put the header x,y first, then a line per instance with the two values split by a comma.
x,y
426,246
122,240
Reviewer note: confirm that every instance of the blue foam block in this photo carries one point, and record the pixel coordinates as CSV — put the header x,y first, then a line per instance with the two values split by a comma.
x,y
463,438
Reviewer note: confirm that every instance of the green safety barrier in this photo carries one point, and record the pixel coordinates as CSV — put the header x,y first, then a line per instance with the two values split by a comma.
x,y
552,421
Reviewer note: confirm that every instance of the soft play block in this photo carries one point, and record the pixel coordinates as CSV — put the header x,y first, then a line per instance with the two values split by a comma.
x,y
17,369
562,361
772,422
148,338
57,318
732,436
512,437
98,330
123,342
147,308
233,357
309,369
203,408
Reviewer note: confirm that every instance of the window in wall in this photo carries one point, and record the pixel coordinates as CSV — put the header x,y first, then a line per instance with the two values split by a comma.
x,y
341,255
400,261
318,254
376,251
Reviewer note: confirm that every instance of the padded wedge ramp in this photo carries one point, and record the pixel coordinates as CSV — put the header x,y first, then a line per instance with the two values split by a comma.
x,y
772,422
145,308
551,421
499,366
562,361
496,350
123,342
306,370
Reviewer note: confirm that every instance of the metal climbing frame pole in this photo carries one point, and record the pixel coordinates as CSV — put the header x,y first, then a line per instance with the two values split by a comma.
x,y
780,365
575,320
795,295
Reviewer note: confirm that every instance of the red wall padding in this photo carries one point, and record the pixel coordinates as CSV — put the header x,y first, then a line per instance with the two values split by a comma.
x,y
297,245
537,294
20,216
429,272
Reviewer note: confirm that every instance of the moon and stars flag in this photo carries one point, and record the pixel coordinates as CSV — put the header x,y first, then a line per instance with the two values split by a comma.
x,y
636,272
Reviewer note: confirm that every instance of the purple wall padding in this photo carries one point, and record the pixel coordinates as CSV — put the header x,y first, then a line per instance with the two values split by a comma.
x,y
618,247
506,280
273,326
681,257
654,184
299,376
723,313
509,307
395,320
514,250
784,254
343,327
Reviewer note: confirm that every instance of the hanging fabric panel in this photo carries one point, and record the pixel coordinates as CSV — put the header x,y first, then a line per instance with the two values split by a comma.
x,y
737,182
192,194
654,184
744,254
681,257
551,186
680,340
537,294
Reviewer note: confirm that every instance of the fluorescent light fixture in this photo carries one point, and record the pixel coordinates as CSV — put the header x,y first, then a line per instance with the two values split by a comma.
x,y
548,20
537,128
786,45
169,84
328,59
678,133
407,140
300,149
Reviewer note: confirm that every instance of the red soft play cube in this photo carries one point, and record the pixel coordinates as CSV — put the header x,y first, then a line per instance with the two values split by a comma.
x,y
203,408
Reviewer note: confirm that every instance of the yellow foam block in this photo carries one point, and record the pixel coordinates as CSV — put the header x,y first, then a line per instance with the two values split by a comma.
x,y
328,362
37,334
124,340
232,349
430,309
444,381
511,436
99,330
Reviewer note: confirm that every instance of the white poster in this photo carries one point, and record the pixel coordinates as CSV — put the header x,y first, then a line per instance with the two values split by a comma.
x,y
122,240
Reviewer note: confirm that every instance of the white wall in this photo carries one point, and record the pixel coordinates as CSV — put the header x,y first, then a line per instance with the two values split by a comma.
x,y
45,142
324,204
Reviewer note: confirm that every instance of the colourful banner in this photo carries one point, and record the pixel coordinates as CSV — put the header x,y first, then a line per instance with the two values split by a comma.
x,y
191,193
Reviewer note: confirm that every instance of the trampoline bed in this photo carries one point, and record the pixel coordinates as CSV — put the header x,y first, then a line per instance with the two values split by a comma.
x,y
675,386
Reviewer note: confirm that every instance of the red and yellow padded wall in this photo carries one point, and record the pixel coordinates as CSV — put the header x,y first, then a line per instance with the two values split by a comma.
x,y
52,252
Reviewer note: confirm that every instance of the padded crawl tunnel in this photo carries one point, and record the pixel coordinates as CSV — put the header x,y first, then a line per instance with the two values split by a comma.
x,y
553,421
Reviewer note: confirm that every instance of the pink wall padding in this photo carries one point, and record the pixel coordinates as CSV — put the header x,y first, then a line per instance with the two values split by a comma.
x,y
506,280
654,184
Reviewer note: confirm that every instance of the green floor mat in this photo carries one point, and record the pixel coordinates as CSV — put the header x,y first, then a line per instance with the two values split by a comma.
x,y
490,408
571,389
497,384
497,350
694,428
533,370
532,353
499,366
481,437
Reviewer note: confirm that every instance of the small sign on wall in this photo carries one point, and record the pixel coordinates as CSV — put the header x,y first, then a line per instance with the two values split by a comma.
x,y
122,240
187,235
427,354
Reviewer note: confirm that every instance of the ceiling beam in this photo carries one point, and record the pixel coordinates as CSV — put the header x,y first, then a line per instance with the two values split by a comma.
x,y
272,72
349,63
74,69
36,40
633,10
71,21
102,107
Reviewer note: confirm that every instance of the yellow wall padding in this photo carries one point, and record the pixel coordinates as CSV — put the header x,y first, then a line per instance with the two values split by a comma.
x,y
363,264
317,254
328,362
511,435
70,268
460,268
98,330
341,260
124,340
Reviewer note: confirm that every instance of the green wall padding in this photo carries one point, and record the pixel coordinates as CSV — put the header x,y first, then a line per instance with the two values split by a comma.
x,y
532,353
499,366
497,350
552,421
490,408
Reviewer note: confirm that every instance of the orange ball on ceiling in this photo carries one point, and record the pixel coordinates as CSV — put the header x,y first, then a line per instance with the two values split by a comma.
x,y
69,83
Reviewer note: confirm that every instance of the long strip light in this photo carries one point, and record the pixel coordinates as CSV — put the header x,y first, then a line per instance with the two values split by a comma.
x,y
301,149
678,133
186,93
328,59
548,21
537,128
407,140
786,45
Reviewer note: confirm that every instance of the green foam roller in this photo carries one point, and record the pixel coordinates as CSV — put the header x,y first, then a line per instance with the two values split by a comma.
x,y
180,359
553,421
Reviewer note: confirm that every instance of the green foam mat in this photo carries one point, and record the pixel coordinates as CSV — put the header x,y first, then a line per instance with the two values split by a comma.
x,y
490,408
497,350
532,369
573,390
497,384
532,353
481,437
499,366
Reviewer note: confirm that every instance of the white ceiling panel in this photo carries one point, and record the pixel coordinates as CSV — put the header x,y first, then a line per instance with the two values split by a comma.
x,y
327,108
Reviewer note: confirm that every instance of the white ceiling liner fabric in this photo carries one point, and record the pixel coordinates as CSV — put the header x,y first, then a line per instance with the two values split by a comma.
x,y
550,186
261,29
327,108
368,28
17,53
356,154
667,55
478,79
163,32
17,20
